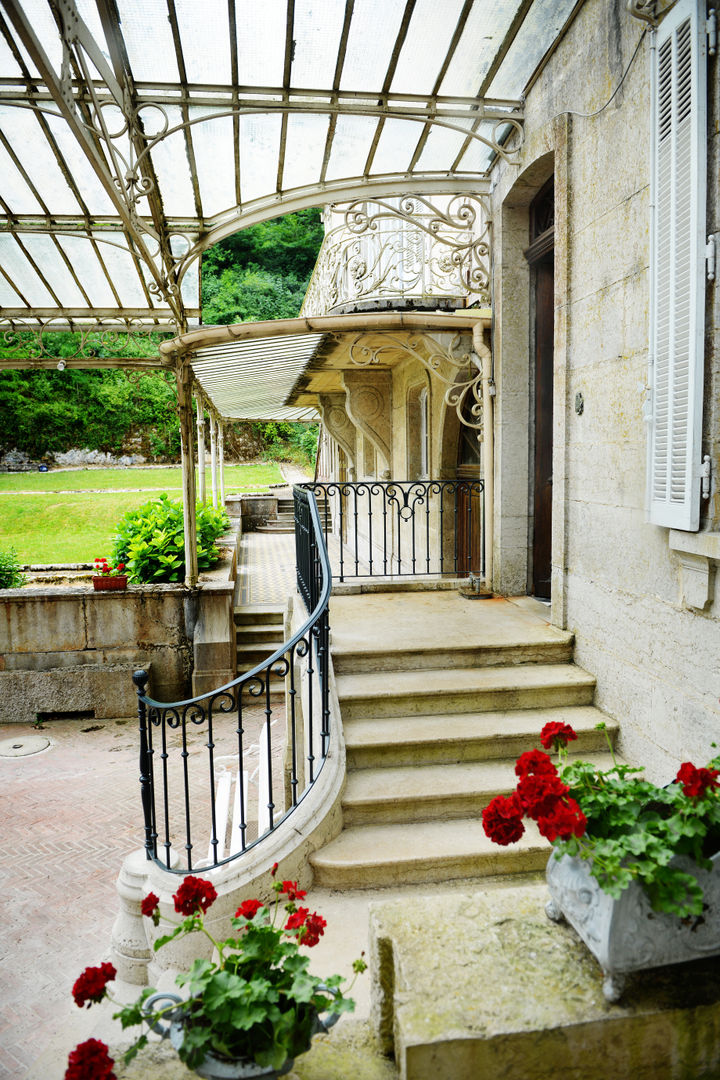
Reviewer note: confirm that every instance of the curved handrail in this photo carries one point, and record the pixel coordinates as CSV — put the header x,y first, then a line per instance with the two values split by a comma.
x,y
311,643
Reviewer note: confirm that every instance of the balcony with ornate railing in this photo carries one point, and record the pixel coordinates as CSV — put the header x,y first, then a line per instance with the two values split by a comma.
x,y
400,253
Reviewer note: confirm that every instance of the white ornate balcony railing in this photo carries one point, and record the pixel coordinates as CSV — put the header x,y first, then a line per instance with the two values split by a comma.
x,y
402,252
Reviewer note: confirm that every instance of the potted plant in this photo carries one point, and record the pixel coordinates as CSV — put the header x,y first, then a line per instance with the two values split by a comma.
x,y
249,1011
107,576
636,867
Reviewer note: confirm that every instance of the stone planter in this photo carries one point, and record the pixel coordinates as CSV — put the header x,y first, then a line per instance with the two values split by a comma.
x,y
626,935
109,582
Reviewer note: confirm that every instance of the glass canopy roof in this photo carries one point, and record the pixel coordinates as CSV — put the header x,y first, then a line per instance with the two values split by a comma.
x,y
135,133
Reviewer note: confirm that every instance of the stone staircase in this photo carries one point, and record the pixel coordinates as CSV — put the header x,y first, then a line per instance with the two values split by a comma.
x,y
258,633
431,737
285,520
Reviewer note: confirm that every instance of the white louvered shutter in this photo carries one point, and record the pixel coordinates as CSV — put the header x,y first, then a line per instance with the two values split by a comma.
x,y
677,271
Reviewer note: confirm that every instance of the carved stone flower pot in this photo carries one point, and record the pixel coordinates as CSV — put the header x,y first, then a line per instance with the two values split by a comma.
x,y
626,935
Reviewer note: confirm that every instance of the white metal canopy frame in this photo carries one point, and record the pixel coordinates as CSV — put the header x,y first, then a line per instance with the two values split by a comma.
x,y
136,133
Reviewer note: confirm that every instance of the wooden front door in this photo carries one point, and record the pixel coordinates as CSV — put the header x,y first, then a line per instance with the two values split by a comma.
x,y
540,255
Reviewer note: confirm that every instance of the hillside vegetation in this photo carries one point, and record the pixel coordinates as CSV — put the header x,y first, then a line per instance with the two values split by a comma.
x,y
260,273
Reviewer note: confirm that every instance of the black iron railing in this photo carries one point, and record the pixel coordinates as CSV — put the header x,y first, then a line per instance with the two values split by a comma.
x,y
389,528
220,771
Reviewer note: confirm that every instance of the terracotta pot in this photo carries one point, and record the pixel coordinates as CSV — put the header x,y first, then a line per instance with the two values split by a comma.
x,y
103,582
626,935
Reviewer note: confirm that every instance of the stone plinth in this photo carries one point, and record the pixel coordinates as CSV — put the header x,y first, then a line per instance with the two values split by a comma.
x,y
484,985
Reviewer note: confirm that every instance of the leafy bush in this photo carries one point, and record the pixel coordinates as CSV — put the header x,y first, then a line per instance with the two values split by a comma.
x,y
151,540
10,576
287,441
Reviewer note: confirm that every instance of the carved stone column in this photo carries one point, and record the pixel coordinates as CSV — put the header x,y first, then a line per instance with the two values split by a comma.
x,y
368,403
338,424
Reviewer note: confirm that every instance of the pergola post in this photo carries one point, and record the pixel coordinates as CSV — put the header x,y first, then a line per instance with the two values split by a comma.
x,y
213,458
183,378
221,459
201,448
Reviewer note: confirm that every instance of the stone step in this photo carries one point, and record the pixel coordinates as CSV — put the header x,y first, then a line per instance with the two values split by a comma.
x,y
374,856
252,614
461,690
413,793
484,736
372,660
249,656
262,633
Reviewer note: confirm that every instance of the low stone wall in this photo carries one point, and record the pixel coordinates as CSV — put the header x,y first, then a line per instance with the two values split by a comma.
x,y
67,649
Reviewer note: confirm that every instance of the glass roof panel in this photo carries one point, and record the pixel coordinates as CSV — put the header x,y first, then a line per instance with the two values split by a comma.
x,y
306,138
121,267
45,253
545,20
46,30
317,29
259,147
425,47
373,32
15,190
261,32
82,255
169,156
8,296
91,190
215,160
21,273
478,155
205,37
482,34
148,40
29,143
9,67
351,146
441,148
396,146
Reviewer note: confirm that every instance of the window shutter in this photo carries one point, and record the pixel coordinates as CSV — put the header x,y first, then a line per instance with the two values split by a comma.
x,y
677,281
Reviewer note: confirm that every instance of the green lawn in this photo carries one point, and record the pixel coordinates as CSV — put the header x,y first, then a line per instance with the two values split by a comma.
x,y
73,526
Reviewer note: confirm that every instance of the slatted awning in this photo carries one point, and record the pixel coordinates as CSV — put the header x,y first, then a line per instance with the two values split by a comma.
x,y
136,133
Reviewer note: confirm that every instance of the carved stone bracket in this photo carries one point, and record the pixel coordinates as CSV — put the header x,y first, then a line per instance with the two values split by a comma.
x,y
338,424
369,405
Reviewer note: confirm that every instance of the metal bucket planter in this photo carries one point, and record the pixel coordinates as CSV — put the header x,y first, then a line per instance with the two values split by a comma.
x,y
213,1067
626,935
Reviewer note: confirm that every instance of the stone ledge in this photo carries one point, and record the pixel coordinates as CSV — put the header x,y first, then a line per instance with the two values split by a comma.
x,y
485,985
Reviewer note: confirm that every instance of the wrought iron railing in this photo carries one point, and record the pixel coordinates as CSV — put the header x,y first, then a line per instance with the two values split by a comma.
x,y
390,528
210,765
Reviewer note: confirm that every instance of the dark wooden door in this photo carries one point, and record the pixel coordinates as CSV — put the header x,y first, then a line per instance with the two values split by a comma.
x,y
542,488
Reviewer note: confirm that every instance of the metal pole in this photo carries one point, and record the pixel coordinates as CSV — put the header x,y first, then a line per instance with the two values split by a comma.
x,y
183,377
201,448
485,355
221,459
213,459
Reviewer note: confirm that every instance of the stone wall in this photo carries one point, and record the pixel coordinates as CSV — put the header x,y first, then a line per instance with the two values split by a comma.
x,y
69,649
642,601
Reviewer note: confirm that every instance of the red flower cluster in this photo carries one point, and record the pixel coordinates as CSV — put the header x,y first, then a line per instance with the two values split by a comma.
x,y
90,1061
695,782
91,985
290,889
194,895
248,909
149,907
555,734
102,566
311,927
540,795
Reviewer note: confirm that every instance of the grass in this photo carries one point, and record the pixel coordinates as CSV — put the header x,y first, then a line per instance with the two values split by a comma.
x,y
71,525
238,479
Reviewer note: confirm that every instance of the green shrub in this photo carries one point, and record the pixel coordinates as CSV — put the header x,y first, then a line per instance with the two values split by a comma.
x,y
151,540
10,576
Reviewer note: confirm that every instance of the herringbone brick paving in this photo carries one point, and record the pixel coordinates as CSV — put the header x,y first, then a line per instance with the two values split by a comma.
x,y
70,816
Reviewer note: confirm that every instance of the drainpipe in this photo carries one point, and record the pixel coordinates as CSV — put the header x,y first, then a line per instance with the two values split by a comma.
x,y
483,351
201,447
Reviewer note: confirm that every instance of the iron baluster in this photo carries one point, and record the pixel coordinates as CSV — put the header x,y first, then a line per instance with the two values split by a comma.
x,y
242,794
140,679
292,693
268,753
213,809
162,720
185,754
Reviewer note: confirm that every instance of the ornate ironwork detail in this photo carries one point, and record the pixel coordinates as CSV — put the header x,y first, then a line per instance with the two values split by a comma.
x,y
645,10
459,370
106,339
407,249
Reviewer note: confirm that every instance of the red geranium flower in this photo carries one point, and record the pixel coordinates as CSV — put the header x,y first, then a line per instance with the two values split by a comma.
x,y
695,782
310,926
534,762
91,985
194,895
502,819
149,906
90,1061
566,820
555,734
273,872
538,794
248,909
290,888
